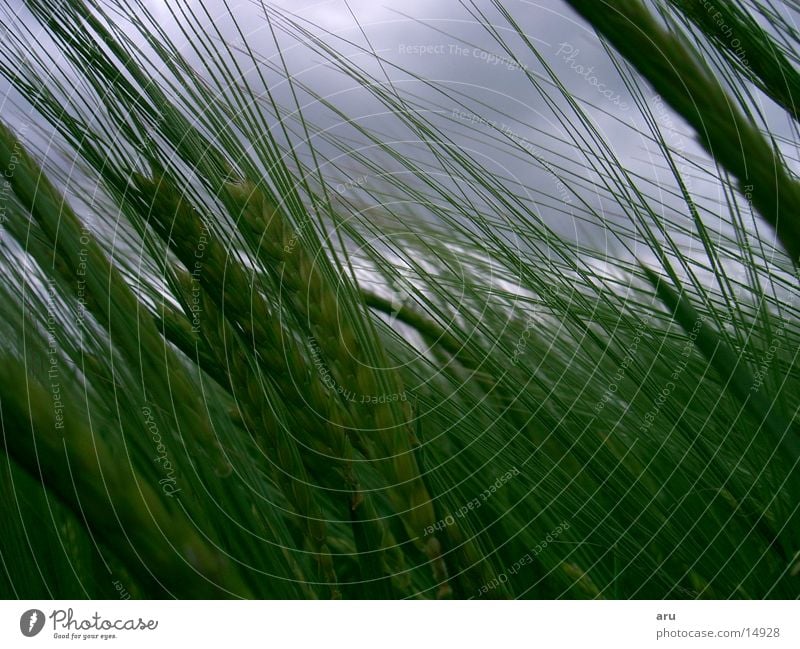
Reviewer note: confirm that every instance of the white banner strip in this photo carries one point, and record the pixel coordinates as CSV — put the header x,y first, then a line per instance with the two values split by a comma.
x,y
399,625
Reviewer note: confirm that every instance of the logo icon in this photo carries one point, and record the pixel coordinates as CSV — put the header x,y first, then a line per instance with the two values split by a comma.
x,y
31,622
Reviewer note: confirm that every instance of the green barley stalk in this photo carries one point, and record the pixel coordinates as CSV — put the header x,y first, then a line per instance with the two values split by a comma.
x,y
124,509
739,380
390,445
110,299
747,47
726,134
226,287
319,428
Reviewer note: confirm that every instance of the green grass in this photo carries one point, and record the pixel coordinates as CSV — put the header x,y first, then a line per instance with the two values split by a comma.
x,y
221,375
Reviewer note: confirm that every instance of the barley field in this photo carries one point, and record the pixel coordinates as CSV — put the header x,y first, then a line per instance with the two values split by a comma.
x,y
470,300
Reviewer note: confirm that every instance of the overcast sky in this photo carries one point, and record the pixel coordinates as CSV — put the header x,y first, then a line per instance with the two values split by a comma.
x,y
440,41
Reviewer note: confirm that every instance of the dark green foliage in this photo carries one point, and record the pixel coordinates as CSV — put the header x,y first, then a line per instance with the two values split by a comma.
x,y
222,377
